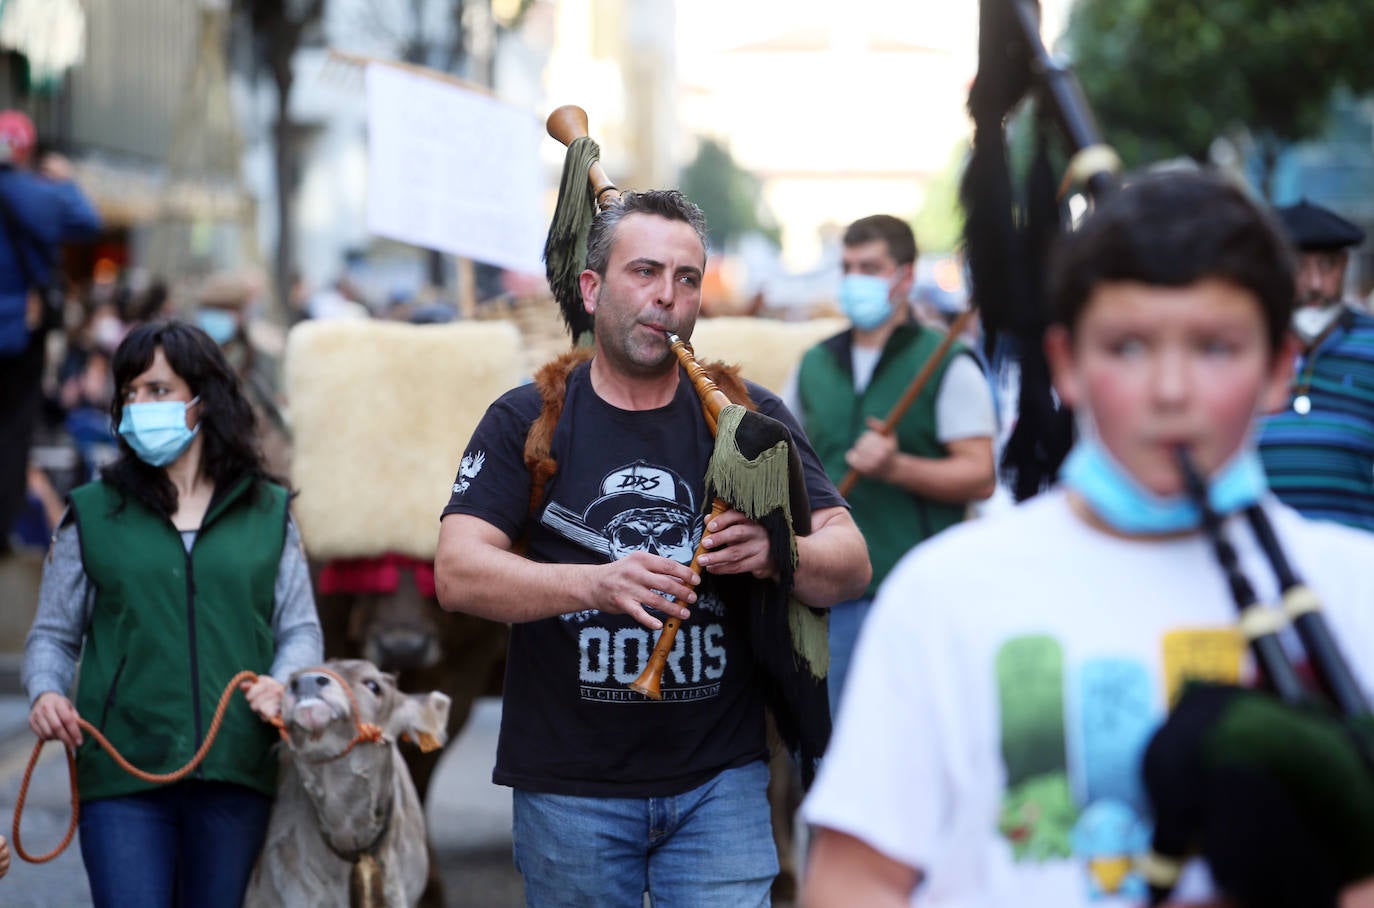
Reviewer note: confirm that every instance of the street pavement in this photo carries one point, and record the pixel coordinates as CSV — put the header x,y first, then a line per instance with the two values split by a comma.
x,y
469,819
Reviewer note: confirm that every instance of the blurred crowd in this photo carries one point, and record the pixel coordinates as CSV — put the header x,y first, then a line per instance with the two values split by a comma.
x,y
74,438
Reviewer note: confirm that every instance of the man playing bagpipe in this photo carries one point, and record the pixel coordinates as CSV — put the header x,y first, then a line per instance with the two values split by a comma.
x,y
599,471
1014,671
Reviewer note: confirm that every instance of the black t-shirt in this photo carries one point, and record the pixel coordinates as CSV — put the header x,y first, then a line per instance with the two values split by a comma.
x,y
626,481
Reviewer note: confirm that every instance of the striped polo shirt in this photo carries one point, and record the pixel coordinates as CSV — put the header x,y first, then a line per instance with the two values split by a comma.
x,y
1321,462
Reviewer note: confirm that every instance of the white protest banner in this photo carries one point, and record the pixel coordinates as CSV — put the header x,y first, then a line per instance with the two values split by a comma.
x,y
454,170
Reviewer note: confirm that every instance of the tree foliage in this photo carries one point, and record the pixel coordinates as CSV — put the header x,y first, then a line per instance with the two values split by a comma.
x,y
1167,77
728,194
939,225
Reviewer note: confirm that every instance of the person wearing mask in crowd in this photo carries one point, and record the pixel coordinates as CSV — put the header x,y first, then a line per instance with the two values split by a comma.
x,y
989,748
616,794
39,210
224,311
85,387
1318,449
177,569
923,477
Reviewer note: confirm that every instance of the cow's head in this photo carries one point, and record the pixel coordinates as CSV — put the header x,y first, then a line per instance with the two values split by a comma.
x,y
320,718
397,630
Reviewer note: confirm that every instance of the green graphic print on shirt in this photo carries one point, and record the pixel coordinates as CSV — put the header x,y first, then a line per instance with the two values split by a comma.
x,y
1092,808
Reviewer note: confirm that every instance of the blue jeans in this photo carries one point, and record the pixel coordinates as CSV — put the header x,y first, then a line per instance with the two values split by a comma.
x,y
190,844
846,619
711,847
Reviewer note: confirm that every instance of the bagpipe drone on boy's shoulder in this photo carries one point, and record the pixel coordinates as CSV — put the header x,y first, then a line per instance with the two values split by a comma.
x,y
1274,786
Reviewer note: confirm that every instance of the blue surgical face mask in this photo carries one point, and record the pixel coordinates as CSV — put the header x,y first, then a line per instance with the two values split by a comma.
x,y
1126,505
157,431
219,324
866,300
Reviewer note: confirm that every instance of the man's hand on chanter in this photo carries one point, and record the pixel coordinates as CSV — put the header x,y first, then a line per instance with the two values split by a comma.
x,y
639,579
737,545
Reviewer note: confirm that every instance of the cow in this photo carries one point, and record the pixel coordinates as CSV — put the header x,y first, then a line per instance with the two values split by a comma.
x,y
347,826
384,610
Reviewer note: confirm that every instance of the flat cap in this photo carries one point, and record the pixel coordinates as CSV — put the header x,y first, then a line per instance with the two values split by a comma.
x,y
1316,229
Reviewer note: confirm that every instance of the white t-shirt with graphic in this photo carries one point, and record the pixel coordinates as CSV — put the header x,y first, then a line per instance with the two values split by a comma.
x,y
1008,678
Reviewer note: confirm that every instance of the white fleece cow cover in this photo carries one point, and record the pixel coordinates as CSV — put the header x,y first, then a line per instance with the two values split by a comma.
x,y
380,413
765,349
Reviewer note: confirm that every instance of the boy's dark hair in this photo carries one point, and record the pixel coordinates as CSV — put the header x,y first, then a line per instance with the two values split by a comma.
x,y
665,203
226,418
1172,229
896,233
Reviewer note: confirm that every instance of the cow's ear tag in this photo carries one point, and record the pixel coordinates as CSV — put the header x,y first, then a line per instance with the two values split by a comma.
x,y
424,740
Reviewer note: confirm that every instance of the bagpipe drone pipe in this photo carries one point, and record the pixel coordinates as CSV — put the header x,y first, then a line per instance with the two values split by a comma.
x,y
1273,788
1008,229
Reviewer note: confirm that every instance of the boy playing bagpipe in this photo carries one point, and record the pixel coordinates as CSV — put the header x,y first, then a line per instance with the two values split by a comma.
x,y
1015,670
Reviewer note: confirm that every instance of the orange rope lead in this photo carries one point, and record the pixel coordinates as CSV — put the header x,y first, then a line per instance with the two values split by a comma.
x,y
23,795
366,732
124,764
178,775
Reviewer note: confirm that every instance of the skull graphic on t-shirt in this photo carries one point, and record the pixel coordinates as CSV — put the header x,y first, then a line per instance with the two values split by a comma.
x,y
641,508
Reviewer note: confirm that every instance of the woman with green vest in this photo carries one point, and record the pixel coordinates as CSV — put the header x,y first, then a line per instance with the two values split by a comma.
x,y
174,571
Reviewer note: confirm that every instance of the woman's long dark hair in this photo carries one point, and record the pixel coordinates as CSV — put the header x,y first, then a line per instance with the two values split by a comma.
x,y
230,448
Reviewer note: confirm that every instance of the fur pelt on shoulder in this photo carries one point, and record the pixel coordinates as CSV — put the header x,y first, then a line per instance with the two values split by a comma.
x,y
552,382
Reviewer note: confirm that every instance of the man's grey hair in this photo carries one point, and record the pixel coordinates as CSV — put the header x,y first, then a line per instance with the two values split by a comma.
x,y
665,203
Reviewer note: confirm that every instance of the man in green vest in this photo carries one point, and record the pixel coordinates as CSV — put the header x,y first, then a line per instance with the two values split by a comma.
x,y
922,478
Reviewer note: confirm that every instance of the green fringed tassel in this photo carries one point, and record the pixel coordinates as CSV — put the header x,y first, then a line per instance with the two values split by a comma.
x,y
810,637
758,487
565,250
755,487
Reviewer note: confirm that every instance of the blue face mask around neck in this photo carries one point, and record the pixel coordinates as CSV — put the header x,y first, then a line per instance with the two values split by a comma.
x,y
1126,505
156,430
866,300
